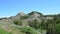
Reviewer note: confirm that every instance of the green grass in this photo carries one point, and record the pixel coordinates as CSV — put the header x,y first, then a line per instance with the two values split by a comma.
x,y
2,31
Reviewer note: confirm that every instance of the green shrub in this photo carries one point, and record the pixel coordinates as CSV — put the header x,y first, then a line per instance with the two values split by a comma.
x,y
24,17
28,30
57,28
17,22
35,24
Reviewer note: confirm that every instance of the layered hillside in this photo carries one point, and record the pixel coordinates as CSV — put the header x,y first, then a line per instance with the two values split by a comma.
x,y
31,23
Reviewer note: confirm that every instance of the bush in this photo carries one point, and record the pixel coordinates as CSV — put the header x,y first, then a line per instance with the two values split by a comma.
x,y
28,30
17,22
24,17
57,28
35,24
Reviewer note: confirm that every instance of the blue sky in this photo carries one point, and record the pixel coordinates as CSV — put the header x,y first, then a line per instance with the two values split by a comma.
x,y
12,7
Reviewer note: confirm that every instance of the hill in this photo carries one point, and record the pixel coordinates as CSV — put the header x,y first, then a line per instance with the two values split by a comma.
x,y
31,23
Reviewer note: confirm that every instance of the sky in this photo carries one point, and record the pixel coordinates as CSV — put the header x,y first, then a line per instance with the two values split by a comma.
x,y
12,7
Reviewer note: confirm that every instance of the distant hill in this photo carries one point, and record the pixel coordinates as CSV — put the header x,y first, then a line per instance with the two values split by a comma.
x,y
33,15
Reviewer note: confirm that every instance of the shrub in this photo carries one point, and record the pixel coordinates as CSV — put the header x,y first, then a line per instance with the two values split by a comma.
x,y
28,30
35,24
57,28
17,22
24,17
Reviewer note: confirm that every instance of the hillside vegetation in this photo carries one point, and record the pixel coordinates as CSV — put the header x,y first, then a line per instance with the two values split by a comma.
x,y
31,23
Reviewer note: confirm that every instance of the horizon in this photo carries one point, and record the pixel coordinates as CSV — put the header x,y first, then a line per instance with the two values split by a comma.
x,y
12,7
